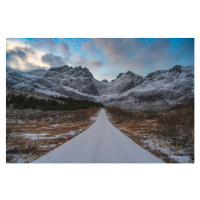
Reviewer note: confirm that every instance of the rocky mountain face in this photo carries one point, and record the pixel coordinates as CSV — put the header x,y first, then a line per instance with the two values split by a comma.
x,y
158,90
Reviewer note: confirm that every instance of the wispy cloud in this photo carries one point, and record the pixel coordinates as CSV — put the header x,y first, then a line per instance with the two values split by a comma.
x,y
105,57
53,60
24,58
80,60
145,55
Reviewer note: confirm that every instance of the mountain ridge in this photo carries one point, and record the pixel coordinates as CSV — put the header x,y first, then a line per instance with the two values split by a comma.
x,y
128,91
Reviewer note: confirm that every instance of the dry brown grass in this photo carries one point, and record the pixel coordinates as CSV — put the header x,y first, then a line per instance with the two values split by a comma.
x,y
171,128
139,134
43,136
22,145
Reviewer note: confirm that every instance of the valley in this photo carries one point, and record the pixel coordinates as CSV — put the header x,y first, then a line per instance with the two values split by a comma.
x,y
47,108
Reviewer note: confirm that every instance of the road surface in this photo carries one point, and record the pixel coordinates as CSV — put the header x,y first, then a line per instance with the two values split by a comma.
x,y
101,143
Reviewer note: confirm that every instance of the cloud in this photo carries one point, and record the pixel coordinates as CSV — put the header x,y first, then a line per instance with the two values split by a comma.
x,y
34,53
64,51
49,45
117,50
94,63
12,44
80,60
145,55
53,60
42,43
101,55
151,55
17,52
20,52
89,47
23,57
64,47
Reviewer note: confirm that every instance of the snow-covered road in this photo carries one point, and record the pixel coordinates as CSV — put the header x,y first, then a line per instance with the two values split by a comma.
x,y
101,143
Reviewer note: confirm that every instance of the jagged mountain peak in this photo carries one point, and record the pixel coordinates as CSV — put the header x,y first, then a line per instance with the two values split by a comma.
x,y
127,91
60,69
104,80
176,68
120,74
81,72
128,73
153,75
37,72
67,71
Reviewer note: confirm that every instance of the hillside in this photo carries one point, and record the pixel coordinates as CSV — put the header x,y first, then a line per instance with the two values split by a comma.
x,y
158,90
20,99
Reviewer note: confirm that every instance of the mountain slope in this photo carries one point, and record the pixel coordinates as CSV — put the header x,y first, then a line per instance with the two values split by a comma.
x,y
158,90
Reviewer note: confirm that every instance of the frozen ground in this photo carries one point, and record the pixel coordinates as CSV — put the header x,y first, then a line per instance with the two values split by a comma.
x,y
43,136
101,143
181,157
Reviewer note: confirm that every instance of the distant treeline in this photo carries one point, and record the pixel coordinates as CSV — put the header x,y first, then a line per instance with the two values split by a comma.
x,y
22,102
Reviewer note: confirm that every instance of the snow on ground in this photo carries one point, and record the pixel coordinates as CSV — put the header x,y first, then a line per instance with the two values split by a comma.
x,y
49,93
101,143
164,147
45,136
56,125
34,136
19,121
181,159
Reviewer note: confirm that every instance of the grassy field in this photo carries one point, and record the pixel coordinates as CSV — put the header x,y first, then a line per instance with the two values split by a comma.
x,y
168,134
32,133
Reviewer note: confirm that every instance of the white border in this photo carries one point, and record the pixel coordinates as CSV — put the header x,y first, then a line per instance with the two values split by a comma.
x,y
22,19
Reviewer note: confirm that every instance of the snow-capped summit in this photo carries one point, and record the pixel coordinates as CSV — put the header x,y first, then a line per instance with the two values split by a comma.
x,y
126,81
70,71
37,72
104,80
158,90
176,68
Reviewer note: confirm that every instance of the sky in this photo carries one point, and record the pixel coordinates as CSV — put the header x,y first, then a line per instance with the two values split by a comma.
x,y
104,57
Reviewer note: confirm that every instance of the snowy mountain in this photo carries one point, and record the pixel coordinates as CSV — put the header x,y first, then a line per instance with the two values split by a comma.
x,y
158,90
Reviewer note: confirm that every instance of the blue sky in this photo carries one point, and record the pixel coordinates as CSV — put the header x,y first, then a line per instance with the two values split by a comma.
x,y
105,57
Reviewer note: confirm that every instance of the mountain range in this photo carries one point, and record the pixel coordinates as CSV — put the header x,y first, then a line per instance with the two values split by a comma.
x,y
158,90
